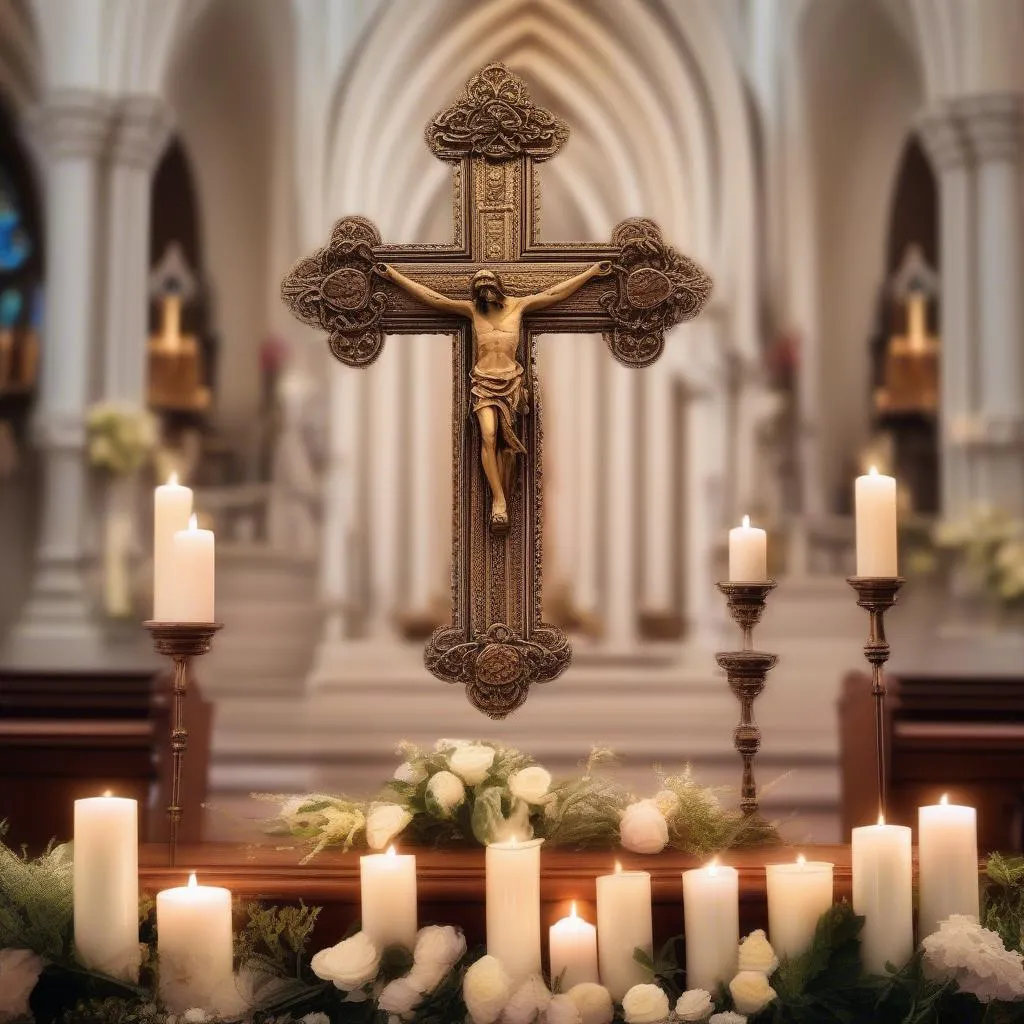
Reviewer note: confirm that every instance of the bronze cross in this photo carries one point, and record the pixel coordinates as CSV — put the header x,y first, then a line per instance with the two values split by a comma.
x,y
497,644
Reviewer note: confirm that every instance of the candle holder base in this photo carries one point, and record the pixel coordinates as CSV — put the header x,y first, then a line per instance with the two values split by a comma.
x,y
181,642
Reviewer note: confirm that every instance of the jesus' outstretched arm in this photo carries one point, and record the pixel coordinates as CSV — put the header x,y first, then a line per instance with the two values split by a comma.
x,y
562,290
423,293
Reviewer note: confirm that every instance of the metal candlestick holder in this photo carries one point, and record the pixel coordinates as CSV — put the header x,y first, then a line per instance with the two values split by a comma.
x,y
877,594
181,642
747,671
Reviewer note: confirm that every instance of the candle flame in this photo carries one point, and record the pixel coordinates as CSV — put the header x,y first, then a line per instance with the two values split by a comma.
x,y
618,868
172,480
801,860
746,522
881,818
873,471
391,850
713,868
513,842
107,792
572,911
944,799
193,522
193,883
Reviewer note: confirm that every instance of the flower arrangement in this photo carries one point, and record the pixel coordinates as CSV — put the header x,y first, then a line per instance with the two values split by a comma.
x,y
122,437
989,545
464,793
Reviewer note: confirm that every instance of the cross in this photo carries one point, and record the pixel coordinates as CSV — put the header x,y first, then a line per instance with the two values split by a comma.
x,y
631,289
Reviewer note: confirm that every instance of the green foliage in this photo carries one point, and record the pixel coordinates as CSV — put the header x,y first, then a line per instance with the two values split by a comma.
x,y
319,820
1003,908
275,939
584,813
115,1011
37,901
665,967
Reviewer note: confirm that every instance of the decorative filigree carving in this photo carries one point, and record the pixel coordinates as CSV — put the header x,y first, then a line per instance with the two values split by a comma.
x,y
496,119
657,288
334,289
498,667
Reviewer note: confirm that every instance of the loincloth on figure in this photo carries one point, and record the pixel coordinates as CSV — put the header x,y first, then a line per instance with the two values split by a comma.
x,y
505,391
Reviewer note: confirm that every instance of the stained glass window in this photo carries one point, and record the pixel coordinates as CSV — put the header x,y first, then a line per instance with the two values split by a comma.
x,y
15,244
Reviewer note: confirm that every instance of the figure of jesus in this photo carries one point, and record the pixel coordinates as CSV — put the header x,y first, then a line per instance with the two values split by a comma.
x,y
498,391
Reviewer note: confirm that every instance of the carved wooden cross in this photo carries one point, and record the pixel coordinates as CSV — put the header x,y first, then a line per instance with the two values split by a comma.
x,y
497,644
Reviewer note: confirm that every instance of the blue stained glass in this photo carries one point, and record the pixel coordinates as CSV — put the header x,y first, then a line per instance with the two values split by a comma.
x,y
15,245
10,308
35,316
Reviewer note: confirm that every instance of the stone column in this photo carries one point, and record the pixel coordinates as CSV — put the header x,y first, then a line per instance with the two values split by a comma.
x,y
141,131
73,127
946,144
993,125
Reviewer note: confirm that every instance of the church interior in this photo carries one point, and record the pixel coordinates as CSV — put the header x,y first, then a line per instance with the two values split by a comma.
x,y
849,174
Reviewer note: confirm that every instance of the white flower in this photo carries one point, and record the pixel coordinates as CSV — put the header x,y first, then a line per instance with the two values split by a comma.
x,y
350,964
562,1010
694,1004
471,762
384,822
438,949
486,989
530,784
528,1002
195,1016
413,774
400,997
643,828
19,972
445,744
975,958
667,801
727,1018
645,1004
756,954
315,1018
593,1001
751,992
445,793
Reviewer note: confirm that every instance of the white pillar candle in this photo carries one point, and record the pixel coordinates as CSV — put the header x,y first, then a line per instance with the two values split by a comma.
x,y
875,500
624,924
191,590
947,837
195,945
798,894
388,890
748,554
172,506
513,906
107,885
711,921
573,946
883,894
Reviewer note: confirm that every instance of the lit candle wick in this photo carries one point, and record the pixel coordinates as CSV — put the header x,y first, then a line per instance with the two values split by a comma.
x,y
944,799
192,881
172,480
193,522
801,860
746,522
618,868
391,850
713,868
881,818
873,471
572,911
107,792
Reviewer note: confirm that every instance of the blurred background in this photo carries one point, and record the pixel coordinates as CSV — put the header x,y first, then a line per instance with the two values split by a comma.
x,y
849,171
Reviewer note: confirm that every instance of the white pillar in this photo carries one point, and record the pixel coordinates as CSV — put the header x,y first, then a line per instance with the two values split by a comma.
x,y
946,144
73,127
993,126
658,484
141,131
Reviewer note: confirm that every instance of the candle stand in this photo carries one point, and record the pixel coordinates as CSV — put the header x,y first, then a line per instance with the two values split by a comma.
x,y
747,672
877,594
181,642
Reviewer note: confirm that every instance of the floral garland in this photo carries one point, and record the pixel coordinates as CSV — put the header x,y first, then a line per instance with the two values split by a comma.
x,y
463,793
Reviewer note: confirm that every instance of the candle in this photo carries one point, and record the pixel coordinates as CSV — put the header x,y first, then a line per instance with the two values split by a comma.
x,y
711,914
947,837
172,506
106,876
194,942
748,554
798,894
513,906
573,944
388,891
192,577
875,500
883,894
623,925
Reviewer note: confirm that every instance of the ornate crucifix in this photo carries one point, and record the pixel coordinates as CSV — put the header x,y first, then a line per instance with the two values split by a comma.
x,y
495,289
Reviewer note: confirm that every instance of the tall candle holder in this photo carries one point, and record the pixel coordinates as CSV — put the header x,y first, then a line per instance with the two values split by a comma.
x,y
747,671
876,595
181,642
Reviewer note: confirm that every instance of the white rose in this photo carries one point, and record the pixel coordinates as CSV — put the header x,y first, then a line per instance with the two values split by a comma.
x,y
562,1010
19,972
643,828
315,1018
486,990
400,997
195,1016
756,954
530,784
751,992
645,1004
350,964
445,793
471,762
438,949
694,1004
667,801
411,773
528,1002
594,1003
384,822
727,1018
